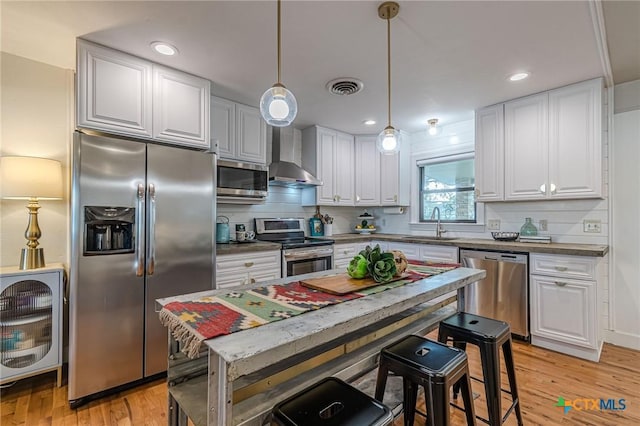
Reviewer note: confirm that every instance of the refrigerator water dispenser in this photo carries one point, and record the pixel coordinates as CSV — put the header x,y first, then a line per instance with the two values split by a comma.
x,y
108,230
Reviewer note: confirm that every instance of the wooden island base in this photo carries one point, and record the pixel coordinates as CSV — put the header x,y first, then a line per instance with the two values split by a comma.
x,y
237,381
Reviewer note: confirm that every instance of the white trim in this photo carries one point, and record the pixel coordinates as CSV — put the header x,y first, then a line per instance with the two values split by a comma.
x,y
600,33
444,158
611,318
618,338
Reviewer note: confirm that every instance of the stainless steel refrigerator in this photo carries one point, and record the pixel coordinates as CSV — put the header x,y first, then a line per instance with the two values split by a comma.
x,y
142,228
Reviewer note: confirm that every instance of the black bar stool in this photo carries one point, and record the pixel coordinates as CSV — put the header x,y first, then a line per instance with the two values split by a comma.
x,y
331,402
489,335
427,363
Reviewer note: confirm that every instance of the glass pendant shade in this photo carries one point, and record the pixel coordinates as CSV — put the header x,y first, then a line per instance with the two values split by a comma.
x,y
389,140
278,106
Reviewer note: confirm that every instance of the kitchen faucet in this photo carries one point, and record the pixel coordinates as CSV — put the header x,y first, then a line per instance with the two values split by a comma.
x,y
439,230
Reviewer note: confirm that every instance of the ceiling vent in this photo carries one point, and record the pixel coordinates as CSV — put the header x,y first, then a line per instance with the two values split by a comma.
x,y
345,86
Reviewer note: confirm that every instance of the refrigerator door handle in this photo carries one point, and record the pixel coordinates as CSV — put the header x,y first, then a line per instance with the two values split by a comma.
x,y
151,245
139,231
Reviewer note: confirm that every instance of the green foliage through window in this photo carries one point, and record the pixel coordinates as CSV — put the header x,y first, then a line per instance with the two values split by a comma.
x,y
448,184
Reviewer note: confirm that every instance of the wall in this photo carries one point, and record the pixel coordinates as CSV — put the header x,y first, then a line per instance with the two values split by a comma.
x,y
624,291
37,121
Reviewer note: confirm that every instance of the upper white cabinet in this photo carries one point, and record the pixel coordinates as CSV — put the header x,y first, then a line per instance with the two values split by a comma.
x,y
552,145
113,91
180,107
367,172
489,157
329,156
122,94
239,131
526,147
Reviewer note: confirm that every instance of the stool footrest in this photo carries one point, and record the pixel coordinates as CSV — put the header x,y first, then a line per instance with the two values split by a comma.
x,y
482,381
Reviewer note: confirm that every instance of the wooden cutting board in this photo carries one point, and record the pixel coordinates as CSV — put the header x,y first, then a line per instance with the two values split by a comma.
x,y
342,283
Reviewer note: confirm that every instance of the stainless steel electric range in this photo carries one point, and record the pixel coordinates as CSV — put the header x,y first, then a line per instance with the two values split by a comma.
x,y
300,254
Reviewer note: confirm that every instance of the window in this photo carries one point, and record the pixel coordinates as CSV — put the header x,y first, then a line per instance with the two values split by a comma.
x,y
448,183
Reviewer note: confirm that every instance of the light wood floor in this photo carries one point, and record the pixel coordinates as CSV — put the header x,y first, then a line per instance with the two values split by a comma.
x,y
542,376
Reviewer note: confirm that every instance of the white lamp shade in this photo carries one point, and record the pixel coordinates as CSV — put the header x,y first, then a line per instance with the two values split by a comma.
x,y
30,177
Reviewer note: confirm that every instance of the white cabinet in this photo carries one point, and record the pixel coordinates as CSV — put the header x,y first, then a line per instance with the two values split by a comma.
x,y
489,153
247,268
427,252
411,251
180,108
367,171
553,144
343,253
122,94
239,131
31,322
526,148
114,91
329,156
394,179
541,147
563,294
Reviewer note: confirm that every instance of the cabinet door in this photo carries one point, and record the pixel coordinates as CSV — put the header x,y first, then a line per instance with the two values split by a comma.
x,y
367,172
326,147
526,148
575,147
113,91
343,170
389,179
251,143
181,108
489,157
223,126
564,310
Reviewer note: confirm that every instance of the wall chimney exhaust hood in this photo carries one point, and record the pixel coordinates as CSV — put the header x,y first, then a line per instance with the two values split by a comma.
x,y
287,173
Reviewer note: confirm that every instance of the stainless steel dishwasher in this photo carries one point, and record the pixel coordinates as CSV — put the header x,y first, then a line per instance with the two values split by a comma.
x,y
504,293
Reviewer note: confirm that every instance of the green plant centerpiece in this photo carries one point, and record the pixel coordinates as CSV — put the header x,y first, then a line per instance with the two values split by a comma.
x,y
374,263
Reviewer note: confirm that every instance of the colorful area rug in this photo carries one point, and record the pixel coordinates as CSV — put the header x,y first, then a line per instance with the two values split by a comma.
x,y
194,321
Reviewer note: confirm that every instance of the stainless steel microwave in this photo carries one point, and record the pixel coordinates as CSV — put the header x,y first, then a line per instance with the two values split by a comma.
x,y
242,180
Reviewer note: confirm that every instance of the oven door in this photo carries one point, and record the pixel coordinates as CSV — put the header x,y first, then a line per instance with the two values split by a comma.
x,y
306,260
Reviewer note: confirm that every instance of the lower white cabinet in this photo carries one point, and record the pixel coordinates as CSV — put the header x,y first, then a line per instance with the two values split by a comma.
x,y
343,253
427,252
30,322
247,268
563,310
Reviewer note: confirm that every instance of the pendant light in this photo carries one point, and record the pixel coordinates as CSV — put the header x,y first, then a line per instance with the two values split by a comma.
x,y
278,106
389,139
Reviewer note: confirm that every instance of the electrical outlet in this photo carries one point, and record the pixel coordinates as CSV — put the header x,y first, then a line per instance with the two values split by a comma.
x,y
493,224
543,224
591,226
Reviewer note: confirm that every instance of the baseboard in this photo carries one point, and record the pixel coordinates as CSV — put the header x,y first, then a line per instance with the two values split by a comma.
x,y
566,348
618,338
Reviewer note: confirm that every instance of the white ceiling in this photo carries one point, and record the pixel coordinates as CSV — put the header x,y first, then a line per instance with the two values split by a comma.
x,y
449,57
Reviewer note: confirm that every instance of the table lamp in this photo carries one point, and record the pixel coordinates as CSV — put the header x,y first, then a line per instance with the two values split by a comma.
x,y
33,179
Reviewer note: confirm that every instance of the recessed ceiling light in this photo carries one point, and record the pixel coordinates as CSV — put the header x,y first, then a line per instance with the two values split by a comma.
x,y
164,48
519,76
369,122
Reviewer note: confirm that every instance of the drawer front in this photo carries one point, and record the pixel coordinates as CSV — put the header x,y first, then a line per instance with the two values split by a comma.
x,y
446,254
342,252
245,262
579,267
411,251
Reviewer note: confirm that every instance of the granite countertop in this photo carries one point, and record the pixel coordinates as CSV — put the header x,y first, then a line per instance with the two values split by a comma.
x,y
481,243
593,250
247,247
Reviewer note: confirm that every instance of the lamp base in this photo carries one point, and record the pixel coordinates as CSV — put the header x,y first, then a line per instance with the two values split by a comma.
x,y
31,258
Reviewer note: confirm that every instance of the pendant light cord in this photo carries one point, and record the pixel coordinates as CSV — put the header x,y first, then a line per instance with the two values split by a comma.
x,y
279,42
389,69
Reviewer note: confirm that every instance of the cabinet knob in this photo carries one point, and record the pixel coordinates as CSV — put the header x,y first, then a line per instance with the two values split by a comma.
x,y
553,188
560,283
395,198
543,188
248,264
253,280
357,198
477,191
338,197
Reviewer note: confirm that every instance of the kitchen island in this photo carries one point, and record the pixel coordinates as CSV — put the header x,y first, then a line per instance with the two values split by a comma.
x,y
238,377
